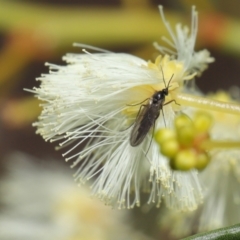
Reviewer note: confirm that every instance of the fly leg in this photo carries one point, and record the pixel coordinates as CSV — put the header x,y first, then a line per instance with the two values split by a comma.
x,y
167,104
138,103
170,102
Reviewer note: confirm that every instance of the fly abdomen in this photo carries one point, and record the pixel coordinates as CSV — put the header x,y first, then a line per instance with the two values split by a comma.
x,y
143,123
140,130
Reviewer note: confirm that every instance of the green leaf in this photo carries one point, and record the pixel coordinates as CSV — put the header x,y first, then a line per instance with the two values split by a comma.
x,y
228,233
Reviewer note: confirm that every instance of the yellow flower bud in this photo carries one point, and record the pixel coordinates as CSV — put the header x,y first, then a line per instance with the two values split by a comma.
x,y
185,160
185,135
163,135
182,121
170,148
202,160
203,122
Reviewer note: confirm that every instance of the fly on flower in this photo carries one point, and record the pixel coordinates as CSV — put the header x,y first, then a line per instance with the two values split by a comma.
x,y
87,101
148,114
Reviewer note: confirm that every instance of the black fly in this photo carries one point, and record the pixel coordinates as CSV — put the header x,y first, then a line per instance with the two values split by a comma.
x,y
148,114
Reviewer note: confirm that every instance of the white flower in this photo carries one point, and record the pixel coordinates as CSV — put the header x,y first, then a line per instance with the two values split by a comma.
x,y
221,181
221,206
42,202
182,45
221,178
221,203
90,105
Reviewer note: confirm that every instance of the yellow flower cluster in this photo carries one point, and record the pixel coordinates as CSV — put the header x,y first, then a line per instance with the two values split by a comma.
x,y
183,144
171,68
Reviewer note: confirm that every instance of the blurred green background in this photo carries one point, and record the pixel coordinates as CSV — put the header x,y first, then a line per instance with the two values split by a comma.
x,y
34,32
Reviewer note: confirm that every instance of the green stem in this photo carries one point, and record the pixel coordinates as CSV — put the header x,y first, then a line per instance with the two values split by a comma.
x,y
213,144
207,104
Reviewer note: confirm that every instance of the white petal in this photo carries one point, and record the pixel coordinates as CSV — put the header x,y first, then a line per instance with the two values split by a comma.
x,y
182,45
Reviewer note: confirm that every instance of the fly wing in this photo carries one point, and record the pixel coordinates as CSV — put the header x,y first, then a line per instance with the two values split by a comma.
x,y
142,125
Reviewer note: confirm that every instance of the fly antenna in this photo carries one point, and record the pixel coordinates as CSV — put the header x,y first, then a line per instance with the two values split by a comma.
x,y
163,77
166,86
170,81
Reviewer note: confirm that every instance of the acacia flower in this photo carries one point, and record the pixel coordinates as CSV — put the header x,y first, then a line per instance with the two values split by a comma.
x,y
93,102
221,181
51,206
